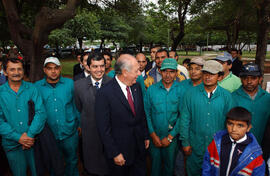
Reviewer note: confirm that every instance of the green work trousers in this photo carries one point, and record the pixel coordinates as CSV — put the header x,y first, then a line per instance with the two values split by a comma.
x,y
68,148
19,160
163,159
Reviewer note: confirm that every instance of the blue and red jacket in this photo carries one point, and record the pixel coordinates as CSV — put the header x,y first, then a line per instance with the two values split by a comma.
x,y
250,162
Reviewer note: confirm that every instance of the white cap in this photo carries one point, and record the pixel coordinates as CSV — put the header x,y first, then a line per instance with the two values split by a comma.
x,y
53,60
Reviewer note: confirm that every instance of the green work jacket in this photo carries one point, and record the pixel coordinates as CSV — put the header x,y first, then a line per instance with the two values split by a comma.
x,y
202,117
63,117
259,108
14,114
162,109
230,82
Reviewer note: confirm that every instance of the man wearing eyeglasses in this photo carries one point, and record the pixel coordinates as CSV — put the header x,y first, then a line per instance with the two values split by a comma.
x,y
252,97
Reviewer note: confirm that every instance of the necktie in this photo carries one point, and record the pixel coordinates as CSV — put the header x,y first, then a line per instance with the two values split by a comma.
x,y
210,95
96,85
130,101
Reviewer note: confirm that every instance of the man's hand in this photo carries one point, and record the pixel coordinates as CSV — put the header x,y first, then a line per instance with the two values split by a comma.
x,y
26,141
165,142
156,140
119,160
146,143
187,150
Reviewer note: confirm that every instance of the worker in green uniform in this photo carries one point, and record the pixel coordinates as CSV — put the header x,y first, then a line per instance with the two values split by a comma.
x,y
16,131
195,73
63,118
252,97
203,114
162,114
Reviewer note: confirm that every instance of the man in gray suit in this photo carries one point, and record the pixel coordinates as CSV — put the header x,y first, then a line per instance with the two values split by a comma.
x,y
85,91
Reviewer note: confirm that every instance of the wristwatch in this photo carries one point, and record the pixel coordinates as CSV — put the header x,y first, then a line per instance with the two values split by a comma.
x,y
169,139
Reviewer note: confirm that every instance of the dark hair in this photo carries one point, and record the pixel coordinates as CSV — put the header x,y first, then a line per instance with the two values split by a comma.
x,y
175,53
155,46
186,61
13,60
163,50
107,53
229,62
84,54
240,52
78,52
220,73
95,57
240,114
233,49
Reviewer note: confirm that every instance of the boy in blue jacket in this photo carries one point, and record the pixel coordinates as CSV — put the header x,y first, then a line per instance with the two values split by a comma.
x,y
234,151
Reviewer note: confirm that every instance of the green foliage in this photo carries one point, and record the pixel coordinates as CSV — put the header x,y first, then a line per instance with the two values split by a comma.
x,y
84,24
61,37
112,26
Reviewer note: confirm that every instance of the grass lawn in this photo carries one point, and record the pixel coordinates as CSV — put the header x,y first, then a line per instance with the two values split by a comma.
x,y
68,63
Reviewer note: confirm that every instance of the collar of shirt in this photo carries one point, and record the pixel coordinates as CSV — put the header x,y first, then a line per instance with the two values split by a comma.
x,y
123,87
86,74
208,93
81,66
240,140
233,59
2,72
45,83
143,73
94,81
153,64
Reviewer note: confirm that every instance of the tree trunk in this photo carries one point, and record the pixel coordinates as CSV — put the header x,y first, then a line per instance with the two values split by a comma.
x,y
31,41
182,11
263,30
101,44
114,44
141,45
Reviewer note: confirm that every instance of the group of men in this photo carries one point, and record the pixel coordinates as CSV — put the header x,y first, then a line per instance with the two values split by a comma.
x,y
122,114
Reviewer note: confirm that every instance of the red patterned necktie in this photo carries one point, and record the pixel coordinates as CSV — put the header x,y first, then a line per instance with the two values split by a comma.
x,y
130,101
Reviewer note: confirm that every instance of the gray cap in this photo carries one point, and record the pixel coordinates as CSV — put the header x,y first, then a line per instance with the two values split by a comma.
x,y
212,66
53,60
224,57
197,60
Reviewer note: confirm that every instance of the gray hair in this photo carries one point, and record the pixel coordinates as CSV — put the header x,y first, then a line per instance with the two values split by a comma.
x,y
122,64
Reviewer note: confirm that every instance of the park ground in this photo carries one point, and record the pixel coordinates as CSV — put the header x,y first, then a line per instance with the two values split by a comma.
x,y
69,62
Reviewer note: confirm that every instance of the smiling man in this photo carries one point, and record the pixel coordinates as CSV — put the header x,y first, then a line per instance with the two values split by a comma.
x,y
63,118
163,112
203,113
121,122
18,136
252,97
85,93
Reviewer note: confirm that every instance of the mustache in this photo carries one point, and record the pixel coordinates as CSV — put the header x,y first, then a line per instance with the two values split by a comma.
x,y
14,76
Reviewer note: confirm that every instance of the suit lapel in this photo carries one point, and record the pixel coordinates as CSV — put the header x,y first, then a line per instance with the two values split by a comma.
x,y
135,97
119,93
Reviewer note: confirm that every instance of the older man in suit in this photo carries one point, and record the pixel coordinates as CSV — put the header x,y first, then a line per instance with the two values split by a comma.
x,y
85,91
121,120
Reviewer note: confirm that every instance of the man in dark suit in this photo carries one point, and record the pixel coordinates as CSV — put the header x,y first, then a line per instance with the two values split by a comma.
x,y
78,68
236,62
86,71
85,91
121,120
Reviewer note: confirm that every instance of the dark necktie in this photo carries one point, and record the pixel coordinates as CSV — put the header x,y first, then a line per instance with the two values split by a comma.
x,y
96,85
130,101
210,95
